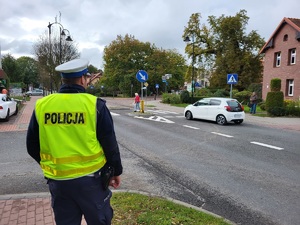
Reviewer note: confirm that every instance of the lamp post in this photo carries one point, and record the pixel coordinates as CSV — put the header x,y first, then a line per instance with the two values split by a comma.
x,y
61,33
187,40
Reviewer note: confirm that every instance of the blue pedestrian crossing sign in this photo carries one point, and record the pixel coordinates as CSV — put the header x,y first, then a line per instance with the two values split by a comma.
x,y
232,78
142,76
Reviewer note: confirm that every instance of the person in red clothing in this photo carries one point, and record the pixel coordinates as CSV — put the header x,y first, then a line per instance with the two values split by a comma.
x,y
4,91
136,102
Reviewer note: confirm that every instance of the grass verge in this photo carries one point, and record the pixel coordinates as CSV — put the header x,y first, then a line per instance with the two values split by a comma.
x,y
135,209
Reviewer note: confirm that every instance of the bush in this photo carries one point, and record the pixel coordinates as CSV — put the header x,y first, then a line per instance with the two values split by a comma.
x,y
292,108
171,98
203,92
221,93
277,111
185,97
275,84
292,111
262,106
242,96
274,103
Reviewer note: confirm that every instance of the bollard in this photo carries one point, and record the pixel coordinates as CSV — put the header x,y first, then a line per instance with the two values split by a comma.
x,y
142,106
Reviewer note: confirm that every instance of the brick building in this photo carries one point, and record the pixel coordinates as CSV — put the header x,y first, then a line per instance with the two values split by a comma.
x,y
280,59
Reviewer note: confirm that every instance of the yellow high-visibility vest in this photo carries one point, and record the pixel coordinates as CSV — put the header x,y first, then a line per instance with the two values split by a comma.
x,y
67,133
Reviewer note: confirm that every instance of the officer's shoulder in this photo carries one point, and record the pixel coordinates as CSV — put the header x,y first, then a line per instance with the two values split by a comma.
x,y
101,100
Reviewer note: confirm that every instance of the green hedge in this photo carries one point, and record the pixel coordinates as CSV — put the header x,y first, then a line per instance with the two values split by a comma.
x,y
274,103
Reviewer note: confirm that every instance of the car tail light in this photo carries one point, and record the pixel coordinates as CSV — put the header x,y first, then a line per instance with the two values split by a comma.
x,y
227,108
1,107
241,106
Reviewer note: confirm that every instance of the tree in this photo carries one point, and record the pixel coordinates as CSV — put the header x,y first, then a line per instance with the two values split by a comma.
x,y
228,49
200,49
51,53
28,71
9,65
92,69
125,56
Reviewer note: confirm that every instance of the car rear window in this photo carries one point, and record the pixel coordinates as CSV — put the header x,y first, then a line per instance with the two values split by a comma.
x,y
234,105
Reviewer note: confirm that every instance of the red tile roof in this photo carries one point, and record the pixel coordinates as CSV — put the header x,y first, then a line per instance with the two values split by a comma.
x,y
3,74
293,22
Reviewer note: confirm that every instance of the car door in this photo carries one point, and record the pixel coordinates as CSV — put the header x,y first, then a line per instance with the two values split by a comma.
x,y
11,105
199,109
214,109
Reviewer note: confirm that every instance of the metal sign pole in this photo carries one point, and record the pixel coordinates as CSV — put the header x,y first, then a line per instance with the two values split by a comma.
x,y
142,90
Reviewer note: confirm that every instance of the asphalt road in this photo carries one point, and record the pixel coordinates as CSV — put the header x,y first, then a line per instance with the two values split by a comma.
x,y
245,173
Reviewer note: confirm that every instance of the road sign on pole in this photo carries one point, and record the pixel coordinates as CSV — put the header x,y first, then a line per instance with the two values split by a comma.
x,y
232,78
142,76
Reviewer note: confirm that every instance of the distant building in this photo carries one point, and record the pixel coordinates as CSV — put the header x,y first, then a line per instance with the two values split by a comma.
x,y
280,59
95,77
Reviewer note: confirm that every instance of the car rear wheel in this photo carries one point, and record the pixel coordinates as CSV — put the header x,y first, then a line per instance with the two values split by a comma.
x,y
189,115
221,120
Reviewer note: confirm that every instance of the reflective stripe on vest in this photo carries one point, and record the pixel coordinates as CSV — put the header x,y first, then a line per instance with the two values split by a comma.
x,y
72,159
66,173
67,133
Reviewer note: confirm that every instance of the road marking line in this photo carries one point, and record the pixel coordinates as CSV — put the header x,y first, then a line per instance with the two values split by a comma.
x,y
265,145
224,135
161,111
114,114
155,118
195,128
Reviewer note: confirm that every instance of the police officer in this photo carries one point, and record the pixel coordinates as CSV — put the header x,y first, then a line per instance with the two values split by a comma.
x,y
71,135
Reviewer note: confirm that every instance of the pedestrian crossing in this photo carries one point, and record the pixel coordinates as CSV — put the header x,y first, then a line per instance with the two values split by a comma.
x,y
162,112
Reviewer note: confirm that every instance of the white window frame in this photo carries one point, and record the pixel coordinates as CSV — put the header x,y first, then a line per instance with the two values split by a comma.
x,y
293,56
291,87
278,59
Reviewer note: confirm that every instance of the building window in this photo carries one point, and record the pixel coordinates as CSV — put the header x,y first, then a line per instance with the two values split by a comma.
x,y
277,59
292,56
290,87
285,37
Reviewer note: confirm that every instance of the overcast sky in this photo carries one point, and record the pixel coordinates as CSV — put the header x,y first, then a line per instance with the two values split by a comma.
x,y
94,24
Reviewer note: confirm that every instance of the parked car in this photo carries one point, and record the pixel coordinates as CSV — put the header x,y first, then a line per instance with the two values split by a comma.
x,y
35,92
221,110
8,107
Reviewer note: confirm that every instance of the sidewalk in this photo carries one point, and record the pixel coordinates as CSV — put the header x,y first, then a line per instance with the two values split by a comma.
x,y
35,208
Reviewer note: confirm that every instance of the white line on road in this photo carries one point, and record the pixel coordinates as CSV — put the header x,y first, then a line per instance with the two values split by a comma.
x,y
265,145
224,135
195,128
161,111
114,114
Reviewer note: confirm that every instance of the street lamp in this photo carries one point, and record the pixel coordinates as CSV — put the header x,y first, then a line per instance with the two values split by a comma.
x,y
62,33
187,40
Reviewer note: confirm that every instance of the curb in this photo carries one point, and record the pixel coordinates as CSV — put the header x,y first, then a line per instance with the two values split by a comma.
x,y
48,195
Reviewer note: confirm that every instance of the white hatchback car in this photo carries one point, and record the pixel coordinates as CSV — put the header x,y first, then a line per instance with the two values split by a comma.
x,y
221,110
8,107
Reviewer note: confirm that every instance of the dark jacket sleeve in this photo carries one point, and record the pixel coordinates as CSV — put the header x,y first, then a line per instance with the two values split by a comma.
x,y
107,138
32,139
